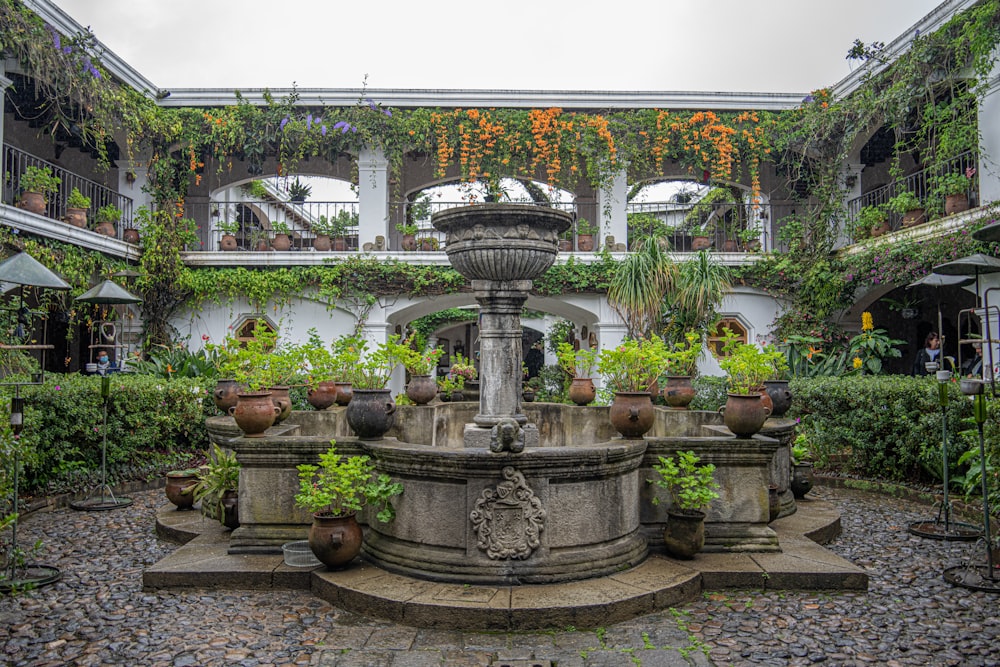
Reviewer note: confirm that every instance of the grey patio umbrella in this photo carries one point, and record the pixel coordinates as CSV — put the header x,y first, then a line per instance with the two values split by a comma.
x,y
988,234
108,293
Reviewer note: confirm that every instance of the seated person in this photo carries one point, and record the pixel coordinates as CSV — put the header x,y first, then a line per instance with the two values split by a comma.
x,y
104,363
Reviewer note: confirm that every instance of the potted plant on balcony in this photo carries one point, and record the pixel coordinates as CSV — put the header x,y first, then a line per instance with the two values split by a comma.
x,y
691,488
107,217
680,363
872,221
341,224
746,367
298,191
77,206
322,227
36,184
908,205
335,491
229,230
578,365
371,412
630,370
217,488
408,236
282,239
140,218
954,187
585,231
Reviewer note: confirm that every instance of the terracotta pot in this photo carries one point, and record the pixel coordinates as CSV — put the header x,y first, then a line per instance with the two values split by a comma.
x,y
225,394
77,217
106,229
335,540
408,242
34,202
528,396
179,491
729,245
281,399
781,397
585,242
131,235
679,393
802,480
880,230
254,413
632,413
565,245
700,243
263,246
339,244
323,396
684,535
744,414
421,389
281,242
913,217
230,502
322,243
765,400
956,203
371,413
582,391
344,392
228,243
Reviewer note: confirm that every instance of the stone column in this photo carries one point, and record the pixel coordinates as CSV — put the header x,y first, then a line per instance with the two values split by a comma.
x,y
989,140
373,195
5,83
500,304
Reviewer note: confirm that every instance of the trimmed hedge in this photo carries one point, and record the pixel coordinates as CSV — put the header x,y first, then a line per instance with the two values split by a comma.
x,y
152,424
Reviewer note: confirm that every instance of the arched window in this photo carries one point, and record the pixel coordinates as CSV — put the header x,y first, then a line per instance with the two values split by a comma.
x,y
716,339
245,328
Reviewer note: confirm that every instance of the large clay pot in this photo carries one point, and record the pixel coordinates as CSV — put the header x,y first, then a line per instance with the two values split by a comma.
x,y
408,242
371,413
585,242
781,397
765,399
106,229
684,535
700,243
956,203
281,242
323,395
228,243
322,243
344,392
130,235
34,202
582,391
632,413
77,217
179,488
225,394
338,243
335,540
280,397
802,480
744,414
880,229
421,389
913,217
254,413
678,393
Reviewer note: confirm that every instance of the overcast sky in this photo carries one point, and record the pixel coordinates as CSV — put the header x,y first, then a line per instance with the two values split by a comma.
x,y
664,45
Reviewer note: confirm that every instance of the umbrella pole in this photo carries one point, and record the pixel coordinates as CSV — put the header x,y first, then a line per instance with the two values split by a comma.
x,y
980,413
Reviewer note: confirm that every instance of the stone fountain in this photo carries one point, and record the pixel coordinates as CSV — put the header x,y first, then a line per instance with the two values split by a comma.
x,y
510,494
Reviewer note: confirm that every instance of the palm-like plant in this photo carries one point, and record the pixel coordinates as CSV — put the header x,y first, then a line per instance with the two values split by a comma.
x,y
637,291
702,282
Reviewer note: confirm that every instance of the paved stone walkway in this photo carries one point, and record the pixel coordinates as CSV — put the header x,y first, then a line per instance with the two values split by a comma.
x,y
99,615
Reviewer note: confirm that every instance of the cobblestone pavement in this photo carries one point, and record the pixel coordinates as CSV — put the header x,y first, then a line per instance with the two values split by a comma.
x,y
98,614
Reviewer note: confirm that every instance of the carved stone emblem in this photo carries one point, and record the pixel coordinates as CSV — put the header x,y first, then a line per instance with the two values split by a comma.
x,y
508,519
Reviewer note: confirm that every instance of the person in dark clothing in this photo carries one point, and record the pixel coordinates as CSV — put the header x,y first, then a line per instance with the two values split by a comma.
x,y
534,360
973,367
930,352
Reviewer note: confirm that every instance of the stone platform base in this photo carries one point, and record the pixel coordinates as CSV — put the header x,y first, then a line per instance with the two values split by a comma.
x,y
657,583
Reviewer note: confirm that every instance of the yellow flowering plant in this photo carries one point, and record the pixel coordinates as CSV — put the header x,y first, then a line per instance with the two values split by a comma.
x,y
870,347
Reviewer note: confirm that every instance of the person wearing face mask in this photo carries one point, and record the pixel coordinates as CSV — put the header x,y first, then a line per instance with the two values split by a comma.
x,y
930,352
103,362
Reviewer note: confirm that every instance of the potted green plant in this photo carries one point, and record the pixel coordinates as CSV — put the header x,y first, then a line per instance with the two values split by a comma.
x,y
630,370
322,392
451,387
217,488
36,184
747,367
107,217
229,230
408,235
578,365
428,244
585,231
298,191
323,228
371,412
954,187
908,205
334,492
421,365
872,221
691,488
340,225
680,363
76,208
801,481
180,484
281,240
